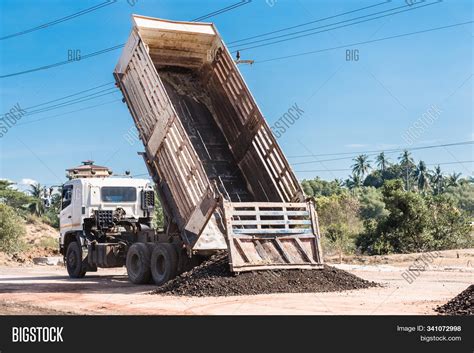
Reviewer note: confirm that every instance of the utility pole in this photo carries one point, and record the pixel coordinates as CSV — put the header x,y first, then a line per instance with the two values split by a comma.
x,y
407,182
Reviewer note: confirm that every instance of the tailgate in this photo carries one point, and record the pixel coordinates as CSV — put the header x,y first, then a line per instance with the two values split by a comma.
x,y
272,235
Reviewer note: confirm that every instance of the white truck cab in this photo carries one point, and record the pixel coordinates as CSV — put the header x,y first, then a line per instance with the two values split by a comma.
x,y
100,217
82,197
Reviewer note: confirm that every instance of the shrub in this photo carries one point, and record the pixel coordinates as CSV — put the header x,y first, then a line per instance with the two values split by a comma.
x,y
372,205
463,195
12,230
414,223
339,221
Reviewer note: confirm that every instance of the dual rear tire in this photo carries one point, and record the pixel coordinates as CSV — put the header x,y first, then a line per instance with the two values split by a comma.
x,y
151,262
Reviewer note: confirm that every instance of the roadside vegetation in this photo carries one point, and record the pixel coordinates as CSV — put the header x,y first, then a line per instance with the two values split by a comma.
x,y
399,207
18,208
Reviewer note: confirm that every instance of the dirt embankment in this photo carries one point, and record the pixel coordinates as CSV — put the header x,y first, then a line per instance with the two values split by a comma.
x,y
213,278
40,240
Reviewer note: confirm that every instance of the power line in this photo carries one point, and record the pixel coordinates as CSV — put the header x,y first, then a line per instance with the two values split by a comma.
x,y
99,52
331,29
387,151
362,43
73,101
62,114
349,169
68,96
223,10
64,62
63,19
71,95
307,23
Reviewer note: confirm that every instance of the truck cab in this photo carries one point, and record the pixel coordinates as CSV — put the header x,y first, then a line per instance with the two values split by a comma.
x,y
99,215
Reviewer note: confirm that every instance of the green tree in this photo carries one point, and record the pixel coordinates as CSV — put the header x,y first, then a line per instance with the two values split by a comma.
x,y
51,215
382,162
408,165
318,187
422,176
18,200
453,179
374,179
361,167
414,223
463,196
37,204
5,184
12,230
437,179
372,205
404,229
377,178
339,221
354,181
449,226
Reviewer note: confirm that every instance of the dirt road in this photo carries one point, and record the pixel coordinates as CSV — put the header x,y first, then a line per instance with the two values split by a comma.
x,y
47,290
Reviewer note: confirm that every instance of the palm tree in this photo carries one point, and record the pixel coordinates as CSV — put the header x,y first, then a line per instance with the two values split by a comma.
x,y
382,162
453,179
354,181
361,166
422,176
5,184
339,182
37,206
406,159
407,164
437,179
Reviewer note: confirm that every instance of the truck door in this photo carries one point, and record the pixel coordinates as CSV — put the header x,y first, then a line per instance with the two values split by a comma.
x,y
65,216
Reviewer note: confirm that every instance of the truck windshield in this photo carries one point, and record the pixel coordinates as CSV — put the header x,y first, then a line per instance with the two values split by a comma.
x,y
118,194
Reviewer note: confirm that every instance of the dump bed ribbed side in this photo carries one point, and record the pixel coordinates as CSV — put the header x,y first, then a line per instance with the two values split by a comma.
x,y
178,144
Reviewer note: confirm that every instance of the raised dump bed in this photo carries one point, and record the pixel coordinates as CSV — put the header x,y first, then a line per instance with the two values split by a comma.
x,y
222,178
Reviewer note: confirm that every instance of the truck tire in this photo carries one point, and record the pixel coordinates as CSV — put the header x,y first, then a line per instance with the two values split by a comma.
x,y
164,263
74,265
138,263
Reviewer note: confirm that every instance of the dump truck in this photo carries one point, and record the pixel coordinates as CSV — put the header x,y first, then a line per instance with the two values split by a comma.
x,y
220,175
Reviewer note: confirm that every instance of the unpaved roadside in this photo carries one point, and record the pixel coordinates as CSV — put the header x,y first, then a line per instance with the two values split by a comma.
x,y
13,308
47,290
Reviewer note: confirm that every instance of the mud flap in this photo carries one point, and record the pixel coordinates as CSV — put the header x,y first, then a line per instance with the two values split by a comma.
x,y
272,235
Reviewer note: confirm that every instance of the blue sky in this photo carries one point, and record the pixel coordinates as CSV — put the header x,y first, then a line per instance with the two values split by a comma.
x,y
349,106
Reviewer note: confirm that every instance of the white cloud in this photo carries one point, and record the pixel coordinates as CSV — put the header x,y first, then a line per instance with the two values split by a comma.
x,y
27,181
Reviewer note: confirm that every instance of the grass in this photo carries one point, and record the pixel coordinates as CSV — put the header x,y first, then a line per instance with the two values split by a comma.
x,y
49,243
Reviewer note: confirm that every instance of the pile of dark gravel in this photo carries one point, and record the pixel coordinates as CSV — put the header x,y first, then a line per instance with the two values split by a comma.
x,y
462,304
213,278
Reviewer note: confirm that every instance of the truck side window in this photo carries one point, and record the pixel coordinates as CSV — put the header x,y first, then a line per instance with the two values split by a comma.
x,y
66,196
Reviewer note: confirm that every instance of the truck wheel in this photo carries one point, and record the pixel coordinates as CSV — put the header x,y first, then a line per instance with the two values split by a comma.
x,y
74,265
164,263
138,263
